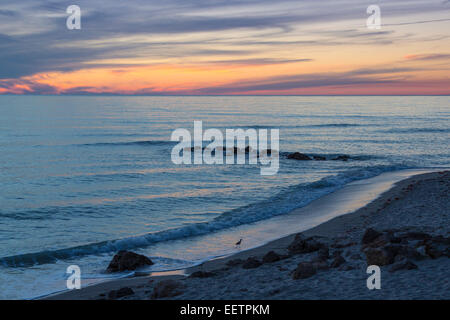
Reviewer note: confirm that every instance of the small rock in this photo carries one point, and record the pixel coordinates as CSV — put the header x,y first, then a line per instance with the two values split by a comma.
x,y
378,257
251,263
319,158
271,256
123,292
370,235
127,260
298,156
167,289
438,247
302,245
304,270
338,261
322,255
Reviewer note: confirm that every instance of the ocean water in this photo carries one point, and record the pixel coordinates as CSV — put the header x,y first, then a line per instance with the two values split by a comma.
x,y
83,177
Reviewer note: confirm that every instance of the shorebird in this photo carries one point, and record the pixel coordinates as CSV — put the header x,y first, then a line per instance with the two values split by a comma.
x,y
238,243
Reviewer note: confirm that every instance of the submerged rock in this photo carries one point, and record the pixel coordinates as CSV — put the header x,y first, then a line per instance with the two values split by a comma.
x,y
298,156
437,247
128,261
271,256
342,158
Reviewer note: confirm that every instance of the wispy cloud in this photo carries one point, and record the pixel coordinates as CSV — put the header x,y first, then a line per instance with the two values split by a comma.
x,y
221,33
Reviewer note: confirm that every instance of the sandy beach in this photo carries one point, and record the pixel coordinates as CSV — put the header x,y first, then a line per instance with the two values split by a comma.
x,y
405,231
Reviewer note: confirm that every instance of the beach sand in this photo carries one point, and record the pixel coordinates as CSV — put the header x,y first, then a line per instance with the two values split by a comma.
x,y
417,204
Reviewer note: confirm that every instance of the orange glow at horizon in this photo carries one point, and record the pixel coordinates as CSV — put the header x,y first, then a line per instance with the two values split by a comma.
x,y
186,79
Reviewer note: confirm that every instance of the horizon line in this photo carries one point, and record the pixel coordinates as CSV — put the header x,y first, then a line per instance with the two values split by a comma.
x,y
226,95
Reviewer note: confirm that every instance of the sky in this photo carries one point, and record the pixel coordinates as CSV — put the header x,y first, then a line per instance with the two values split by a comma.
x,y
225,47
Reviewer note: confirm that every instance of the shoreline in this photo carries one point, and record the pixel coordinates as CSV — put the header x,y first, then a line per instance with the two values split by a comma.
x,y
335,228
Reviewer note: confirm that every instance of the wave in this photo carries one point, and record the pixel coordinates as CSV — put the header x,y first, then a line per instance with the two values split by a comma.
x,y
334,125
287,200
323,125
416,130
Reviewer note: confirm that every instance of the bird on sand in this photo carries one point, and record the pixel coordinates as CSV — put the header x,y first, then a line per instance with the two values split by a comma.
x,y
238,243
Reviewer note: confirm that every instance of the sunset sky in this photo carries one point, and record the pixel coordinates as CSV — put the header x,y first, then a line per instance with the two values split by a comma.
x,y
208,47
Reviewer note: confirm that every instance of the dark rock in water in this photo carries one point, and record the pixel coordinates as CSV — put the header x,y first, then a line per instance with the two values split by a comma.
x,y
319,158
338,261
251,263
167,289
370,235
127,260
202,274
404,264
304,270
123,292
342,158
271,256
302,245
298,156
234,262
379,257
